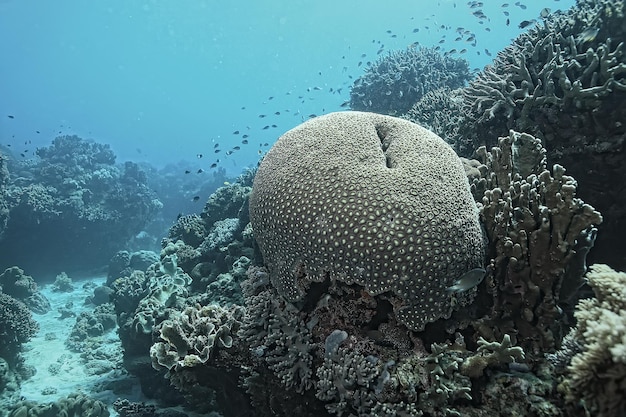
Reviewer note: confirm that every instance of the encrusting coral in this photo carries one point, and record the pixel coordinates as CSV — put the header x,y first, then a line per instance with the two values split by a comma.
x,y
374,200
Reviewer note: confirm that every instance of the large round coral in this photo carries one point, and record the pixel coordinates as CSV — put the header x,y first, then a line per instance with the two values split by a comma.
x,y
370,200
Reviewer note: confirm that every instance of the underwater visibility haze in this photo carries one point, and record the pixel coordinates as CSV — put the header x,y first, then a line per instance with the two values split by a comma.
x,y
312,208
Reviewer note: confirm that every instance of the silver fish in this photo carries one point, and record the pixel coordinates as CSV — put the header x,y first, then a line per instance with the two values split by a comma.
x,y
468,280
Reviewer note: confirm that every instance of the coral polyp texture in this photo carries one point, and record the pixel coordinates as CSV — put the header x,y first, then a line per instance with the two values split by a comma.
x,y
370,200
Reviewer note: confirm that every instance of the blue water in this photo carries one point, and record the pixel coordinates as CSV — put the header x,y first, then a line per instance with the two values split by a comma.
x,y
163,81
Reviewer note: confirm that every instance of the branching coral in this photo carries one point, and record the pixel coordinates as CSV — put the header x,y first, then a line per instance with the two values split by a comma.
x,y
539,234
395,82
596,377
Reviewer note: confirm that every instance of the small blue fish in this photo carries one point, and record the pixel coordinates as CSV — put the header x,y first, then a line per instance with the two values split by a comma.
x,y
468,280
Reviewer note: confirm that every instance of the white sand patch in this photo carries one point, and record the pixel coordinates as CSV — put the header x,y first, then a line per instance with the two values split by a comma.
x,y
60,371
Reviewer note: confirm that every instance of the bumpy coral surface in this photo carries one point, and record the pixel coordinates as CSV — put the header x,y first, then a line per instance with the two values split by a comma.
x,y
395,82
16,326
371,200
597,375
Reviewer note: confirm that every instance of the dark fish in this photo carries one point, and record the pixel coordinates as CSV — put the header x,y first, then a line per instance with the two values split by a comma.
x,y
262,115
213,165
277,113
22,155
266,144
506,13
345,104
312,115
37,131
270,98
196,198
199,155
274,126
487,52
245,142
363,55
244,136
216,145
508,21
11,116
236,148
236,132
462,51
545,12
217,151
525,23
266,127
199,171
416,30
229,152
187,171
505,5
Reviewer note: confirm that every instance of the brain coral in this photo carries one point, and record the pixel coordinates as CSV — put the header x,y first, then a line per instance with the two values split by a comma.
x,y
371,200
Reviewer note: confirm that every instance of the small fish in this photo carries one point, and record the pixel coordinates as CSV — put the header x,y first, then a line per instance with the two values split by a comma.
x,y
277,113
244,136
588,35
187,171
525,23
10,116
200,171
416,30
468,280
262,116
245,141
213,165
266,127
545,12
199,155
236,132
196,198
236,148
217,151
216,145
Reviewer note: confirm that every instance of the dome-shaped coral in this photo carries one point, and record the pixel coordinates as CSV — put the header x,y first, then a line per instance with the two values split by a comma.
x,y
372,200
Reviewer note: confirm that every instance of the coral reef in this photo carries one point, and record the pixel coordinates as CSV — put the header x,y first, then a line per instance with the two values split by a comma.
x,y
16,327
63,283
539,233
72,193
564,82
4,205
76,405
595,380
14,282
342,211
395,82
189,338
